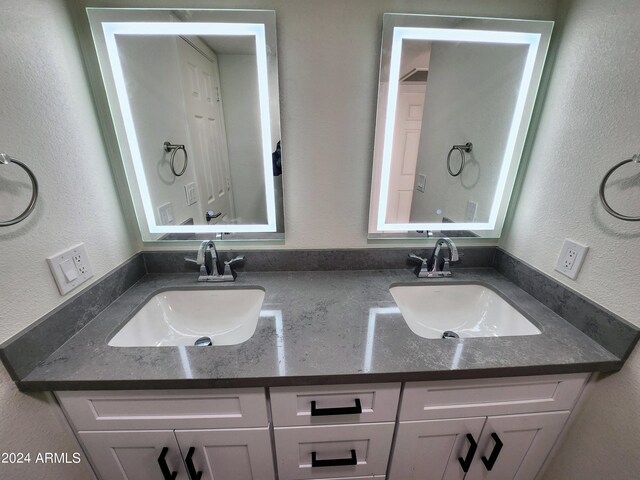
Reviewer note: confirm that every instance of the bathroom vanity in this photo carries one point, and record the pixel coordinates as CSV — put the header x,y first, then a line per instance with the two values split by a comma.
x,y
333,383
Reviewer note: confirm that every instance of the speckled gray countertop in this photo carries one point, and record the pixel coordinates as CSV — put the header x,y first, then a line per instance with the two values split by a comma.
x,y
331,333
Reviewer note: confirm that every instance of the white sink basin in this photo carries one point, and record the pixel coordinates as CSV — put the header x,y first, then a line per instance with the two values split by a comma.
x,y
468,310
180,317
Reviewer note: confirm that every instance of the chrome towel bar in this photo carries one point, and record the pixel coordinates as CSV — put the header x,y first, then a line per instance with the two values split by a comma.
x,y
467,147
605,204
169,147
6,160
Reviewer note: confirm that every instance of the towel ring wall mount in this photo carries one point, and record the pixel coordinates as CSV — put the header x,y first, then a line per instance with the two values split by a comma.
x,y
603,199
6,160
169,147
467,147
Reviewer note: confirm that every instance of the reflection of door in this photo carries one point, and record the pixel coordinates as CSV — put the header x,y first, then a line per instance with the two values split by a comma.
x,y
210,156
404,153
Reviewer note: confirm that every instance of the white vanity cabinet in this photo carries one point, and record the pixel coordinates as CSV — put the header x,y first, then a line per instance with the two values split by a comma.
x,y
501,428
133,434
481,429
337,431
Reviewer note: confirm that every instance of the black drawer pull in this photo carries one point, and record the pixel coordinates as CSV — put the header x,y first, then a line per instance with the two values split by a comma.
x,y
317,412
491,461
191,469
334,462
465,463
164,468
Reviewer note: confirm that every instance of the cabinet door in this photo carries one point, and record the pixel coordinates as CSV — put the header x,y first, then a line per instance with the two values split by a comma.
x,y
231,454
133,455
527,440
430,449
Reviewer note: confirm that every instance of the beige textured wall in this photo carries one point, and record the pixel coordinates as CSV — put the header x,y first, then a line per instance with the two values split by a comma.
x,y
590,121
48,121
46,107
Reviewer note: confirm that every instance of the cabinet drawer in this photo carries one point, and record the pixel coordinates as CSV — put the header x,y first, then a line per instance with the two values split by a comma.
x,y
370,443
334,404
466,398
167,409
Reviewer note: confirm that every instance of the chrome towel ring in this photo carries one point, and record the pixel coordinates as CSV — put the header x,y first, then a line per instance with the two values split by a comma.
x,y
6,160
605,204
169,147
467,147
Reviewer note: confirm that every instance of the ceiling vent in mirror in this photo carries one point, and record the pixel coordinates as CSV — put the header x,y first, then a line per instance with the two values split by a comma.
x,y
416,75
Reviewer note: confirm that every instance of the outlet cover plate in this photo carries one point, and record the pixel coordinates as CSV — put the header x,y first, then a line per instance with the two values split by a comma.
x,y
571,258
72,263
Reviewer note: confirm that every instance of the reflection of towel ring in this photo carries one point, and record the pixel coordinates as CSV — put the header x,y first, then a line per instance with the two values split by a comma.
x,y
605,204
6,160
168,147
461,148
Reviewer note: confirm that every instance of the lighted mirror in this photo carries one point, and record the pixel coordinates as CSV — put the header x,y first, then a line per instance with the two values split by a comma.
x,y
455,100
193,96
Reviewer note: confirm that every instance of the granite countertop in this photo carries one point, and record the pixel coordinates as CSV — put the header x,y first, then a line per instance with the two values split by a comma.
x,y
330,332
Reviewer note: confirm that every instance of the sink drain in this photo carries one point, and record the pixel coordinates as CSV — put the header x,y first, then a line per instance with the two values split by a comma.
x,y
203,342
450,334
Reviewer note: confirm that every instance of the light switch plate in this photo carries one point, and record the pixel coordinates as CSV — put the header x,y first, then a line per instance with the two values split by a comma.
x,y
421,182
191,193
70,268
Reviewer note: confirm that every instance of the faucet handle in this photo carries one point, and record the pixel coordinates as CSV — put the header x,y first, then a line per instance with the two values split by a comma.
x,y
229,272
239,258
203,268
416,257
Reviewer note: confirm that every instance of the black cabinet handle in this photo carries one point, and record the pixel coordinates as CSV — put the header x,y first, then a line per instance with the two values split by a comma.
x,y
465,463
334,462
317,412
191,469
164,468
491,461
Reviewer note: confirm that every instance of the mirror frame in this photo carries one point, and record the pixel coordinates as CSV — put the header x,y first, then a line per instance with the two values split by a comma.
x,y
104,24
399,27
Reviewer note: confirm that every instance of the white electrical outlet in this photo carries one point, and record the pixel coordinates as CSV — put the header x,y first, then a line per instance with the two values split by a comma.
x,y
70,268
571,258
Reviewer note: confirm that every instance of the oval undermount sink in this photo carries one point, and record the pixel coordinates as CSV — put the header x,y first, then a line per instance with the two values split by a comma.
x,y
468,310
181,317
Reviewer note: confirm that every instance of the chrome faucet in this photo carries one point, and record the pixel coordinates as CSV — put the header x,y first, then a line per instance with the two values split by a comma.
x,y
432,267
209,262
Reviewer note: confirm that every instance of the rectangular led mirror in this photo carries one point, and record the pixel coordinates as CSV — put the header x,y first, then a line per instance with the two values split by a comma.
x,y
193,95
454,104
